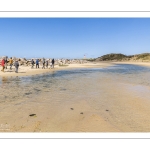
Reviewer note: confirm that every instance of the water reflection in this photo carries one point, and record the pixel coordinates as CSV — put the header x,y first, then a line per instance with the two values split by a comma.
x,y
70,82
4,80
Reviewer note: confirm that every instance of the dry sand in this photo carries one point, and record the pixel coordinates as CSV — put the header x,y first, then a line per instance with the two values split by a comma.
x,y
27,71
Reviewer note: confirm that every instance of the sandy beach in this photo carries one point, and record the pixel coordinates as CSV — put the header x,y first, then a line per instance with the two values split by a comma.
x,y
103,104
27,71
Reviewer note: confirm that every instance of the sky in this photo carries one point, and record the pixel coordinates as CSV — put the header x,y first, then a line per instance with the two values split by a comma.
x,y
73,37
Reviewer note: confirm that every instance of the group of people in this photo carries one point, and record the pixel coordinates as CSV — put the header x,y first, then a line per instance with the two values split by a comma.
x,y
4,64
45,63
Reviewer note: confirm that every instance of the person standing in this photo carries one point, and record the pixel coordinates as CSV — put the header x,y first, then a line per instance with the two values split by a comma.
x,y
47,63
53,62
6,62
11,63
43,64
50,63
3,64
37,63
16,66
32,63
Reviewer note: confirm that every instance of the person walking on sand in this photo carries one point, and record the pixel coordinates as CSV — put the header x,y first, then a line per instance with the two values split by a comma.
x,y
6,62
11,63
43,64
47,63
32,63
3,64
53,62
50,63
16,66
37,63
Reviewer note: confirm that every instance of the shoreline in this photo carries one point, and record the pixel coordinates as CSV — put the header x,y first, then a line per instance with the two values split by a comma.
x,y
27,71
133,63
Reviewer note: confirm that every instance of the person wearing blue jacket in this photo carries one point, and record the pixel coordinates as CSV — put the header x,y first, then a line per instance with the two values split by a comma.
x,y
37,63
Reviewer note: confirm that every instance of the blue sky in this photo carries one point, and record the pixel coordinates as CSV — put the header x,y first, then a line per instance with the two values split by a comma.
x,y
73,37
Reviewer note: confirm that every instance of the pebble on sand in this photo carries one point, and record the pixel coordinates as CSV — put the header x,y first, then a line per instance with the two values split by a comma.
x,y
32,115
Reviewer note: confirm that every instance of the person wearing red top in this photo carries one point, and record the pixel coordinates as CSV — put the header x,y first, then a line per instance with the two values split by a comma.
x,y
3,64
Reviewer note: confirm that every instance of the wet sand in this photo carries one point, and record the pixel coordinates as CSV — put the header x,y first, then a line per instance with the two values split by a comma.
x,y
105,103
133,63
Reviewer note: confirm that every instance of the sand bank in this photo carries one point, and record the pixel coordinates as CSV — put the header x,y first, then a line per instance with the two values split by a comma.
x,y
27,71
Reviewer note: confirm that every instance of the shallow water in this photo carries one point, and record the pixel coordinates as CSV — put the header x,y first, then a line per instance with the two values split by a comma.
x,y
70,80
61,88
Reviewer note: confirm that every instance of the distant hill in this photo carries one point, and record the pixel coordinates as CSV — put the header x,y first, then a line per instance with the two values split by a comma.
x,y
122,57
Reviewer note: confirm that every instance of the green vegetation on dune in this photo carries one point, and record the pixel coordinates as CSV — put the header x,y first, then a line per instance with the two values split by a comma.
x,y
144,56
122,57
113,57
